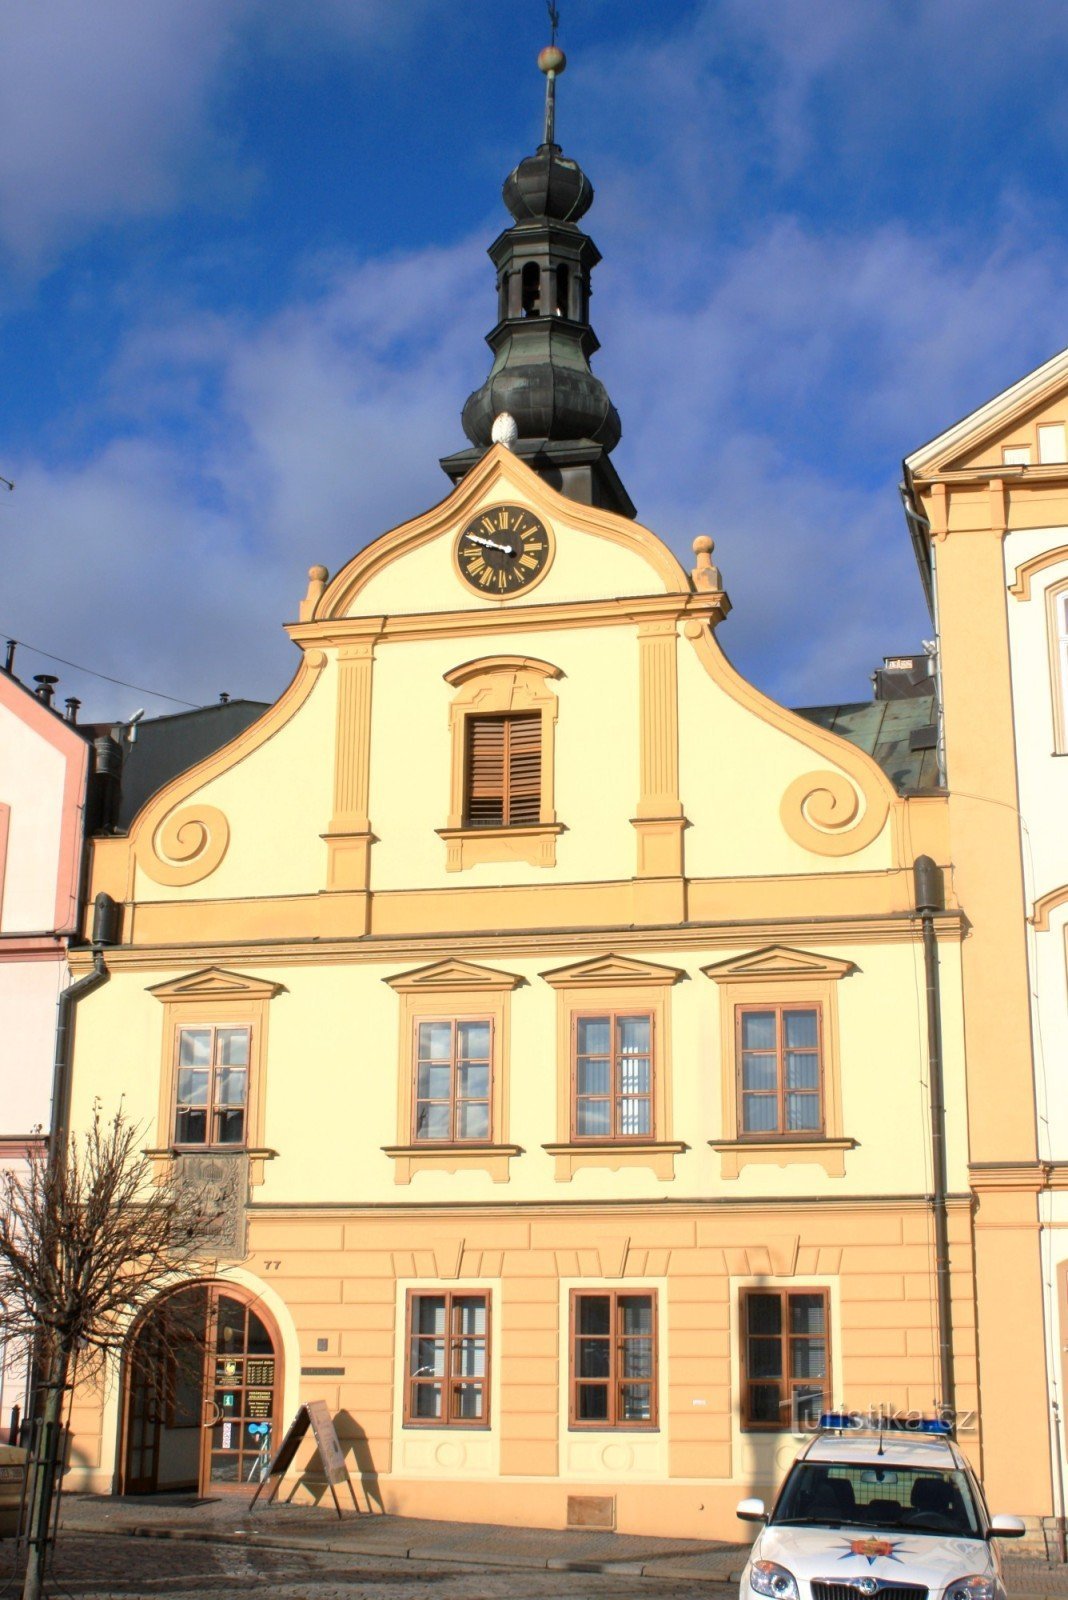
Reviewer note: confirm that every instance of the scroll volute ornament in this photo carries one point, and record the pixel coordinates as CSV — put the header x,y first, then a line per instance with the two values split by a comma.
x,y
822,812
186,846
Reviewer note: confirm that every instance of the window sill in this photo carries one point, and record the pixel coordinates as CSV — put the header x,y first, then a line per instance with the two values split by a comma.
x,y
164,1158
659,1154
469,847
412,1158
734,1154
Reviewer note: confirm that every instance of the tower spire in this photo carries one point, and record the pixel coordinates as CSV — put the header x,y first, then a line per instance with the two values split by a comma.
x,y
566,424
552,62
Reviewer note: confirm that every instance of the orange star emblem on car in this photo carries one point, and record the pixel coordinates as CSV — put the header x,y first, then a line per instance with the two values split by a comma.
x,y
871,1549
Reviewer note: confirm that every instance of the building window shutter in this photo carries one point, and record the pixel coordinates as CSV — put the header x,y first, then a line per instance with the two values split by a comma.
x,y
503,772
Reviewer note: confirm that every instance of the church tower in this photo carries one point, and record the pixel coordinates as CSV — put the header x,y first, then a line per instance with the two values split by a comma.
x,y
565,423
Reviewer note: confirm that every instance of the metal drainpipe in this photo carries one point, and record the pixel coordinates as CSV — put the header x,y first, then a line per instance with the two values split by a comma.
x,y
930,898
105,913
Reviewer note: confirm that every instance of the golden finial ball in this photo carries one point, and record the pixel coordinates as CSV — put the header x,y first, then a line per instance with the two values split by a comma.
x,y
703,545
551,59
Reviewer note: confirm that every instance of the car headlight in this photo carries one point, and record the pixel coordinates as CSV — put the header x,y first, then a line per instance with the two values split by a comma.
x,y
766,1577
979,1586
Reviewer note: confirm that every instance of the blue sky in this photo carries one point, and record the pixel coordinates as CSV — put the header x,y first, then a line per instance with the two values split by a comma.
x,y
243,293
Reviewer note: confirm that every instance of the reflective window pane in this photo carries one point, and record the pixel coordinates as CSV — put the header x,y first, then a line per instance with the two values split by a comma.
x,y
191,1127
807,1313
800,1030
808,1358
229,1127
636,1359
594,1358
635,1118
428,1315
591,1402
802,1112
593,1036
434,1082
433,1122
230,1086
636,1314
758,1030
473,1082
435,1041
194,1047
758,1071
764,1403
594,1119
426,1400
593,1077
473,1120
636,1402
474,1041
802,1070
469,1401
764,1358
193,1086
470,1317
764,1313
633,1035
594,1314
232,1047
760,1113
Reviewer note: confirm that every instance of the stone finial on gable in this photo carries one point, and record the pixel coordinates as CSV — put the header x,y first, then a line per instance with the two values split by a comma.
x,y
317,577
705,577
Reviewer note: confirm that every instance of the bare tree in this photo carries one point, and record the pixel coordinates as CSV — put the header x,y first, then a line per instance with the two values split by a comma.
x,y
87,1239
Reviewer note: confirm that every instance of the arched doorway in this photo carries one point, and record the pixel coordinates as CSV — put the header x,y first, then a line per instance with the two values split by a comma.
x,y
203,1383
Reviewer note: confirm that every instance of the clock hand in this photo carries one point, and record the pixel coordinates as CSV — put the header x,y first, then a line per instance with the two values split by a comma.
x,y
491,544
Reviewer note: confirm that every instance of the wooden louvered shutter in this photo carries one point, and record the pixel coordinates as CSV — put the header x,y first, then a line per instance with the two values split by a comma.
x,y
523,768
503,776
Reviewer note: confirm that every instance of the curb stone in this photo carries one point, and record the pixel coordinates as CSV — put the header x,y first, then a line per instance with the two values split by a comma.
x,y
623,1568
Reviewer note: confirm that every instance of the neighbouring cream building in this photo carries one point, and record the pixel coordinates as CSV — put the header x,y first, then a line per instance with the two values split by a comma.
x,y
988,506
547,1005
43,768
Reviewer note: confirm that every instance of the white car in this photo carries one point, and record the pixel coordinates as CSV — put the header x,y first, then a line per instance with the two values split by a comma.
x,y
897,1515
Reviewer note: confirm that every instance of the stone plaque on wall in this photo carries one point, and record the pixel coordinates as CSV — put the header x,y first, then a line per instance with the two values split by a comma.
x,y
222,1180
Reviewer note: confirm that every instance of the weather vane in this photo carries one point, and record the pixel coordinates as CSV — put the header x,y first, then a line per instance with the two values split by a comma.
x,y
554,19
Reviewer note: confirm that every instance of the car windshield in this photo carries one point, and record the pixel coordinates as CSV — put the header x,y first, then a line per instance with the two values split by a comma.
x,y
878,1497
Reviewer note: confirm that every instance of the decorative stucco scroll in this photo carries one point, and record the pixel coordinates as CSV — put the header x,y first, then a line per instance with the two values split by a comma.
x,y
187,846
822,811
832,812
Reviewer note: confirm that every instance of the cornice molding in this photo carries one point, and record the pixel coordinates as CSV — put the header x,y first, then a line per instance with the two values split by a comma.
x,y
670,937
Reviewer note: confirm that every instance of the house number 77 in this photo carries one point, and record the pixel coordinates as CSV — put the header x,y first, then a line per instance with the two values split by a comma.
x,y
271,1266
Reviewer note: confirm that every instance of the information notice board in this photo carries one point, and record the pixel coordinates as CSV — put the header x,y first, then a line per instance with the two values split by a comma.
x,y
316,1415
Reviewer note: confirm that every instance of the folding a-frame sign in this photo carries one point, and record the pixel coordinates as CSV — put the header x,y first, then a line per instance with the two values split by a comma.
x,y
316,1414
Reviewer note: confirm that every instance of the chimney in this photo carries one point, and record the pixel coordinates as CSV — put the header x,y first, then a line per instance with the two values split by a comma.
x,y
46,685
73,707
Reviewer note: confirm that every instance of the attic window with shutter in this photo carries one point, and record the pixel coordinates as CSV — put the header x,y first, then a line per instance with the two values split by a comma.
x,y
503,788
501,802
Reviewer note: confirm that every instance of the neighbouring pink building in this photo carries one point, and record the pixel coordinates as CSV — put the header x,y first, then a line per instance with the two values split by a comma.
x,y
43,773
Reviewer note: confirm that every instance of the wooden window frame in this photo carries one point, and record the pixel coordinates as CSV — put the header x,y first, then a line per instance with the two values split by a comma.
x,y
780,1132
501,686
506,759
453,1137
798,980
614,1015
786,1384
212,1106
614,1381
214,998
449,1380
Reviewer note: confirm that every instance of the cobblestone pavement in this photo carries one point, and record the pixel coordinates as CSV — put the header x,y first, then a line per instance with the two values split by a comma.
x,y
114,1567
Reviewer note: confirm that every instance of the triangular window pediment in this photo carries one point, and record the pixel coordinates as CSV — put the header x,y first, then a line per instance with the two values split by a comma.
x,y
777,961
453,975
611,970
215,983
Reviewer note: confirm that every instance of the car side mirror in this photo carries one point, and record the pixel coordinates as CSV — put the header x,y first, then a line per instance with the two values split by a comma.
x,y
1006,1528
753,1511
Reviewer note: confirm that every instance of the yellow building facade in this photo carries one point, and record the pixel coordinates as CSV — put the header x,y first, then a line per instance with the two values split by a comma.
x,y
549,1004
548,1010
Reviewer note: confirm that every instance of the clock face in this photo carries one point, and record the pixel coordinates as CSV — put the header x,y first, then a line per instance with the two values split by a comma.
x,y
504,550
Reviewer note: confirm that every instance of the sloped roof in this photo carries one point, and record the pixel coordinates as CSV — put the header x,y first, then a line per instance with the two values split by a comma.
x,y
882,728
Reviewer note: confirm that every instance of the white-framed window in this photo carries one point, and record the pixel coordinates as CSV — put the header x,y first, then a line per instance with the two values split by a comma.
x,y
1016,455
1051,442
